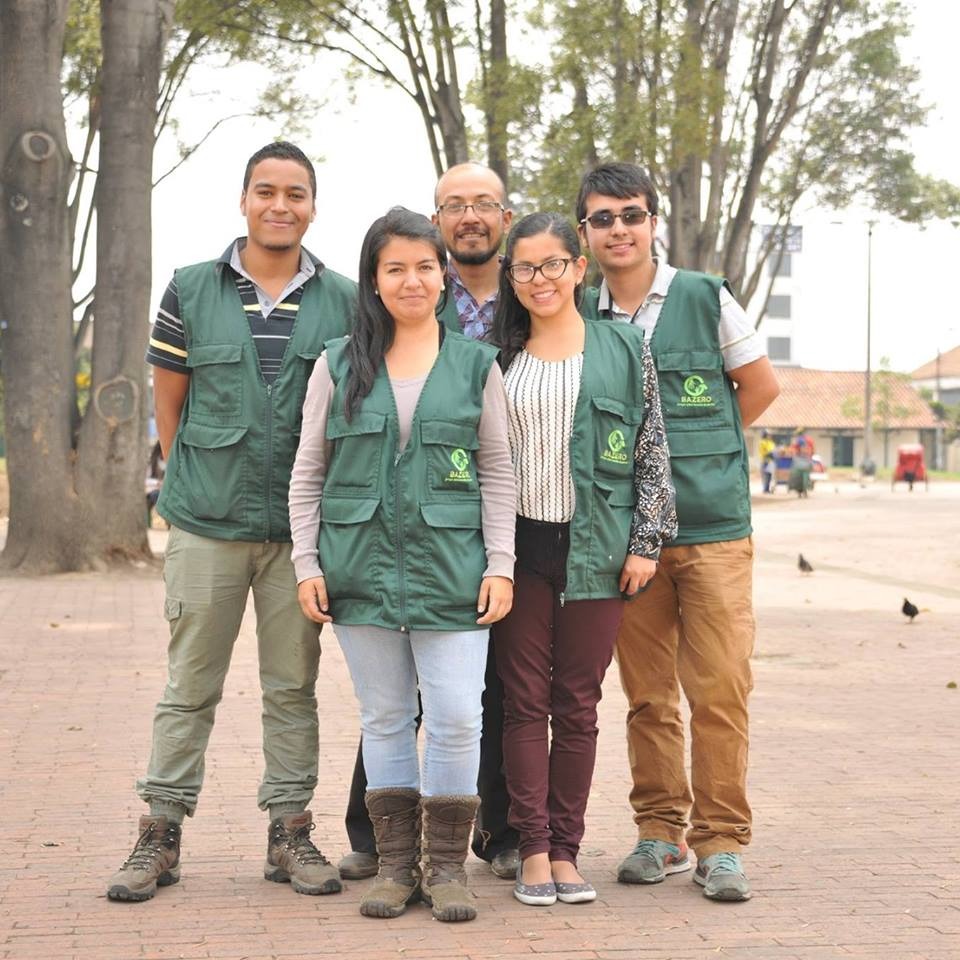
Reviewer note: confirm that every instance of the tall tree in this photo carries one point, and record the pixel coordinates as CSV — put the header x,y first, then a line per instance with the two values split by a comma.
x,y
737,107
35,274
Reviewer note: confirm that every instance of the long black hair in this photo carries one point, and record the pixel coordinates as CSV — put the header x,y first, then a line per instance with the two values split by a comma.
x,y
511,320
374,327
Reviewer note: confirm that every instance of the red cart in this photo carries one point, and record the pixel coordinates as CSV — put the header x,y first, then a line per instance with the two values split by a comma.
x,y
910,467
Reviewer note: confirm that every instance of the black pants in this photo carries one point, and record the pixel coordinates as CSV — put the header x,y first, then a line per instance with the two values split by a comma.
x,y
492,834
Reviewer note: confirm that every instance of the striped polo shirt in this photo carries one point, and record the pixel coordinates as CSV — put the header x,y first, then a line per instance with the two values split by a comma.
x,y
271,322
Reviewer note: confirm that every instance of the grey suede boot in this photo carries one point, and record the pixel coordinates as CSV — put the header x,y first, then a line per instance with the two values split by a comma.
x,y
447,824
395,815
155,861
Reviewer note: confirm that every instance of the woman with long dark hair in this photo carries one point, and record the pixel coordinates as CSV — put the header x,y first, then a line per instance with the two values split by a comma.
x,y
401,508
594,504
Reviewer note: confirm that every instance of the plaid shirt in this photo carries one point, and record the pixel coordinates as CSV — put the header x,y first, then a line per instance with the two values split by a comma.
x,y
476,319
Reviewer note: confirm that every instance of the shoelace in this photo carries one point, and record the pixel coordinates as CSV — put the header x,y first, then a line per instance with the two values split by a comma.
x,y
146,850
301,846
726,863
647,849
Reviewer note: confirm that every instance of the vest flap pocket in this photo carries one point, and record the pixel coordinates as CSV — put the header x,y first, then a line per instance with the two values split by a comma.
x,y
209,437
200,356
310,354
619,495
688,360
618,408
703,443
461,515
348,509
449,433
361,423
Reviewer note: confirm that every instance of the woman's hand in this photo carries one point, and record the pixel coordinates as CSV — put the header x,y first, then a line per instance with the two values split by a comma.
x,y
496,597
637,572
312,595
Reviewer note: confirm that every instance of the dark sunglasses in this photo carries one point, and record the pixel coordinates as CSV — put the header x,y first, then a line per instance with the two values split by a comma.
x,y
605,219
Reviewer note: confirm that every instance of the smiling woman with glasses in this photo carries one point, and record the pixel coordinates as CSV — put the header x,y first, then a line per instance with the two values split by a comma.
x,y
594,503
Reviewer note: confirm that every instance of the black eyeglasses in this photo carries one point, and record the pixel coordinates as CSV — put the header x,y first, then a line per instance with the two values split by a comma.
x,y
482,208
551,270
605,219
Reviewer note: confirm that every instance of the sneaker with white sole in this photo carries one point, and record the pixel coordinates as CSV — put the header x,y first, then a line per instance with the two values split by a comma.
x,y
722,878
652,860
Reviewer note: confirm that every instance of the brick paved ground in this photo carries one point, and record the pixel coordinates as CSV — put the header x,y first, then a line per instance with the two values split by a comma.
x,y
855,783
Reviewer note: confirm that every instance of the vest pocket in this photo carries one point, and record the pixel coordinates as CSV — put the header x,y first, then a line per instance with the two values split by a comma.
x,y
708,476
216,380
691,384
355,464
610,534
345,547
454,552
449,448
210,470
616,425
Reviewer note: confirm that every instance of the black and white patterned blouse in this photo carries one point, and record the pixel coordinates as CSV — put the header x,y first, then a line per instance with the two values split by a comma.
x,y
541,399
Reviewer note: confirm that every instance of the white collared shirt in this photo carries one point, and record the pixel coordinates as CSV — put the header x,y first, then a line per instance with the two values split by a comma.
x,y
739,342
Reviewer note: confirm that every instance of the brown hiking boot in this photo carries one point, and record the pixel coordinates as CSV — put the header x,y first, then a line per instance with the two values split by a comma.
x,y
155,861
395,815
291,856
447,823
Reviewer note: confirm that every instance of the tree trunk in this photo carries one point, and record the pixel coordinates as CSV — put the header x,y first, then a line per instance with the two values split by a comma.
x,y
113,452
35,296
496,90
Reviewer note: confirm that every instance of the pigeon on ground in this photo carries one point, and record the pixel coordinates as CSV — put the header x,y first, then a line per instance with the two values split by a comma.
x,y
909,610
804,565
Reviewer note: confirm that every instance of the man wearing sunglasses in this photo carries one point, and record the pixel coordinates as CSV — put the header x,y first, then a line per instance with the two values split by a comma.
x,y
695,622
471,213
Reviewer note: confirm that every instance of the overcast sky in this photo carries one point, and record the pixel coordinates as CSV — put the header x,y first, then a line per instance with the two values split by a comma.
x,y
375,156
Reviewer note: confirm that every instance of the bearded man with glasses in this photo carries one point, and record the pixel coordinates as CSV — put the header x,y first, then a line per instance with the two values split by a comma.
x,y
695,622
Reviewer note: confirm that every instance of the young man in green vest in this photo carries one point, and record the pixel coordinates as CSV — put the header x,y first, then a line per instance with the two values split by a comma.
x,y
695,622
232,349
472,216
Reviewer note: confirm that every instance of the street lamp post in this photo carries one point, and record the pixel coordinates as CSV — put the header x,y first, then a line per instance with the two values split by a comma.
x,y
867,467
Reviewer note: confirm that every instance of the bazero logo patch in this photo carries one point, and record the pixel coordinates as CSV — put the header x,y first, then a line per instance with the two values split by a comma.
x,y
695,392
461,467
616,448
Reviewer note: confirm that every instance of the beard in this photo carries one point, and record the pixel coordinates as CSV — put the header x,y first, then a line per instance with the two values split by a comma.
x,y
473,258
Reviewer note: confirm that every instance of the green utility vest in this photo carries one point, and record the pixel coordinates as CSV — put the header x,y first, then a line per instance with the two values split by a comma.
x,y
606,421
708,455
400,540
229,469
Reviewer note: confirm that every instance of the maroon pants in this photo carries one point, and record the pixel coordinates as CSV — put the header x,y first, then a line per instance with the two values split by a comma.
x,y
551,658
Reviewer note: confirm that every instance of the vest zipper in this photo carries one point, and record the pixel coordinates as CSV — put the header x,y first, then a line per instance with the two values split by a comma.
x,y
269,431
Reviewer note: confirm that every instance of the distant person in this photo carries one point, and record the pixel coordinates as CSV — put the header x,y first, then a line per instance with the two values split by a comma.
x,y
695,621
232,348
768,461
401,505
156,468
594,504
472,216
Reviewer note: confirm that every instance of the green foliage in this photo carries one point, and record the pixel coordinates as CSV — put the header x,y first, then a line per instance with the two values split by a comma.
x,y
734,108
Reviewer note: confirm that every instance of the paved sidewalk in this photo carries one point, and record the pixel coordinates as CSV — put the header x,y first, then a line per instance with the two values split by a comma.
x,y
855,777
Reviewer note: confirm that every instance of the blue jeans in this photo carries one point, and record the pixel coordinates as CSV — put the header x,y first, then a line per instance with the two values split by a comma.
x,y
388,668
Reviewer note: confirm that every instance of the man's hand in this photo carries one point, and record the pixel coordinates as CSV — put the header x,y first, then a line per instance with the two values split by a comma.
x,y
496,597
312,595
637,572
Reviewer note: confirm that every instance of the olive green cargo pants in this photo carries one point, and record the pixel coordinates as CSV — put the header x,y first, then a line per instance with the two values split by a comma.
x,y
207,585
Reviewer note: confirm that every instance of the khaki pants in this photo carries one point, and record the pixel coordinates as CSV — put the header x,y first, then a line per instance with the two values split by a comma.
x,y
693,624
207,584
